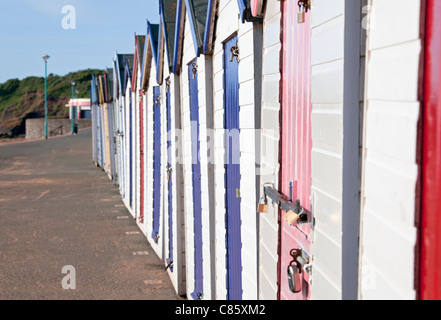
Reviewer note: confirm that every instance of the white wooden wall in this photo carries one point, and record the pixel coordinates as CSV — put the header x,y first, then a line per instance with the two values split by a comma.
x,y
137,160
227,25
121,144
127,125
268,222
327,58
118,142
179,187
207,235
187,160
390,150
143,225
178,275
137,155
148,212
208,268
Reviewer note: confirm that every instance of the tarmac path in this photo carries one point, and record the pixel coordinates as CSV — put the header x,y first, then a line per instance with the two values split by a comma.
x,y
56,210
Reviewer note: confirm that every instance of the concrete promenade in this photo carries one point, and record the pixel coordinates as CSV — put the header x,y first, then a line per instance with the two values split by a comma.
x,y
56,210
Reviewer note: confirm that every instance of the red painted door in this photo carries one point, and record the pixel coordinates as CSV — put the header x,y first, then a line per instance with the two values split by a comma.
x,y
295,171
141,151
430,254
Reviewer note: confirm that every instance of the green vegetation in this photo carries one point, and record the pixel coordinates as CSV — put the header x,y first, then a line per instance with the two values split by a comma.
x,y
23,99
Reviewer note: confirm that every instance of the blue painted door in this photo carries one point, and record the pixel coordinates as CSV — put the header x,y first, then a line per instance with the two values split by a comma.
x,y
169,181
156,162
196,168
232,173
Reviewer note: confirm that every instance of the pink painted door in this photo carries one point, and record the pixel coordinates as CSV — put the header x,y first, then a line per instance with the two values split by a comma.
x,y
295,157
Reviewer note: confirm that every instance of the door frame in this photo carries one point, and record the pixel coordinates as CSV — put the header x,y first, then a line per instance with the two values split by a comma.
x,y
429,274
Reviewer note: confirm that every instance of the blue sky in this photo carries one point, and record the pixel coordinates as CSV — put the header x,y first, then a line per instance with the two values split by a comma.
x,y
30,29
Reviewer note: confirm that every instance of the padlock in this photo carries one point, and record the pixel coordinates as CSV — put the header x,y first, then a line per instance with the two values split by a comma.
x,y
291,217
294,277
262,207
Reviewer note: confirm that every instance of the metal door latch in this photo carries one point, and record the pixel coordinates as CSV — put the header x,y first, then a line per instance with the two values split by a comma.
x,y
197,295
294,211
234,53
303,214
169,265
299,264
304,7
169,170
194,70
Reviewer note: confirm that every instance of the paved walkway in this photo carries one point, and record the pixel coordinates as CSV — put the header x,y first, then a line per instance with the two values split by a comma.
x,y
57,209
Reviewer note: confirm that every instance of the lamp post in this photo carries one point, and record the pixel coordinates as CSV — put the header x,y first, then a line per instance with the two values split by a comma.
x,y
72,107
77,111
45,58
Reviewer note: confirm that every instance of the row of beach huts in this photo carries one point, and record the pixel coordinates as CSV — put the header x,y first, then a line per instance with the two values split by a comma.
x,y
282,149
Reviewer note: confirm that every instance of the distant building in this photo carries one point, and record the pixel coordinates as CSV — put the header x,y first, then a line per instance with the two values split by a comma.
x,y
79,108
